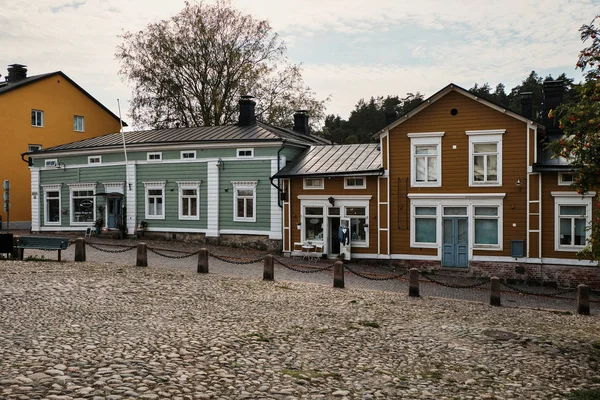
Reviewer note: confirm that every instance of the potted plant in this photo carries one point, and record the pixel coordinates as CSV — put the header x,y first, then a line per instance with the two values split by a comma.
x,y
98,224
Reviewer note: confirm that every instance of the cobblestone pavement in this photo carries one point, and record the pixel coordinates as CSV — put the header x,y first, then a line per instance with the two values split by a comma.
x,y
101,330
565,301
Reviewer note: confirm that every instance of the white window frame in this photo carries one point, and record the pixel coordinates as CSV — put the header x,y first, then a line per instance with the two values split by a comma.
x,y
34,147
425,139
74,187
498,217
192,153
562,182
304,216
344,214
51,163
249,149
92,158
76,120
307,187
154,154
482,137
52,188
571,199
155,185
244,185
189,185
354,186
39,119
413,228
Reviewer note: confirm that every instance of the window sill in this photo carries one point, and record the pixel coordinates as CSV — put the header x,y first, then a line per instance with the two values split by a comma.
x,y
424,245
432,184
572,249
244,220
151,217
487,247
182,218
52,223
485,184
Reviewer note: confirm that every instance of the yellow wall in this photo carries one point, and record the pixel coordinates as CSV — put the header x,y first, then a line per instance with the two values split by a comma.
x,y
60,101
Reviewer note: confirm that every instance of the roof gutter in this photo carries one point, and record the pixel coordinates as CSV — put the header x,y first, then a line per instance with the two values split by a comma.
x,y
28,161
278,186
377,172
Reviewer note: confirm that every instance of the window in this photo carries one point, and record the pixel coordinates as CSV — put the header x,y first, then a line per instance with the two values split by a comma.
x,y
188,200
572,218
188,155
485,158
51,162
358,223
94,159
52,204
78,123
565,178
244,201
313,223
37,118
426,158
355,183
245,153
154,156
486,226
34,147
83,203
313,183
425,227
155,200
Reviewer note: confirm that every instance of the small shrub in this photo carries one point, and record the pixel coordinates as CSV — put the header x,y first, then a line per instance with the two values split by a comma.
x,y
370,324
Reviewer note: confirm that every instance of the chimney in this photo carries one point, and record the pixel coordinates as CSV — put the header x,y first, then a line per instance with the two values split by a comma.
x,y
301,122
247,113
526,105
553,92
16,73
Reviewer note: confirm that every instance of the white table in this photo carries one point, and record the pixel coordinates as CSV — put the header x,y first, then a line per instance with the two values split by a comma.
x,y
306,248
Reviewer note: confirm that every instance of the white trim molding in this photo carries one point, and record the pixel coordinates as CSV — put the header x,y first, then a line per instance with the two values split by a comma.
x,y
422,140
244,185
114,187
456,196
337,197
493,136
52,188
188,185
576,200
154,185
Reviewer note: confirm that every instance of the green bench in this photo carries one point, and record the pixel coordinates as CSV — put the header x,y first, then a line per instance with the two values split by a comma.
x,y
41,243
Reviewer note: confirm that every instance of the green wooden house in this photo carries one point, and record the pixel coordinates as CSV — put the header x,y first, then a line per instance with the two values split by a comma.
x,y
206,181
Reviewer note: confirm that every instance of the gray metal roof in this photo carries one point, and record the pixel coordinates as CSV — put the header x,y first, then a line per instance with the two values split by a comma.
x,y
336,160
204,134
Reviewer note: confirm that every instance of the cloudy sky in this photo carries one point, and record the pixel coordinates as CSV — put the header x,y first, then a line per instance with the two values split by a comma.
x,y
349,49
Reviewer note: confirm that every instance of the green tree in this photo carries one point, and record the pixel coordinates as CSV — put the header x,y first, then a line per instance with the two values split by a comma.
x,y
579,118
192,68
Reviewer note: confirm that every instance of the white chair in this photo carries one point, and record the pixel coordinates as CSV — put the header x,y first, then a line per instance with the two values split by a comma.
x,y
297,250
317,252
88,231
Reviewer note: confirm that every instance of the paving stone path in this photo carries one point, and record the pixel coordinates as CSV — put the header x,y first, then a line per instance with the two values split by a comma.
x,y
101,330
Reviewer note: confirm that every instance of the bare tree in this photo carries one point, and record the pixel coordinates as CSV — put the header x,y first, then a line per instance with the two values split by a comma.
x,y
192,68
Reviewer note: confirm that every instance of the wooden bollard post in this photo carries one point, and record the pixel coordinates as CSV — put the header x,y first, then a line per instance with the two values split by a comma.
x,y
413,282
202,262
495,292
583,300
142,255
268,272
80,249
338,275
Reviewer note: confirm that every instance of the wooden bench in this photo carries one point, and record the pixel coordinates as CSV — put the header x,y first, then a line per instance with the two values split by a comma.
x,y
42,243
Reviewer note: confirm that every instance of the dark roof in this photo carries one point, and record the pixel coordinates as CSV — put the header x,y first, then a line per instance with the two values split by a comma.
x,y
336,160
6,87
204,134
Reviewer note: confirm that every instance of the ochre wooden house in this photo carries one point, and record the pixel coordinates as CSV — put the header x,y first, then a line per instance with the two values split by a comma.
x,y
38,112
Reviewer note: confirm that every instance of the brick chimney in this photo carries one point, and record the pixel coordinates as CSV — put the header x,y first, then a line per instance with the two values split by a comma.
x,y
553,93
16,73
301,122
526,105
247,111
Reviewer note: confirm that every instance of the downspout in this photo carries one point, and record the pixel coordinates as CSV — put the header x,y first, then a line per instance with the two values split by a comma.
x,y
28,161
279,190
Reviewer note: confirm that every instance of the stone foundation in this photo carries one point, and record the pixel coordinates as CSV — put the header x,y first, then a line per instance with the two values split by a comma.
x,y
259,242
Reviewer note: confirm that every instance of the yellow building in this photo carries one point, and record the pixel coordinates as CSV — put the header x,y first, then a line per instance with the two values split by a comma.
x,y
38,112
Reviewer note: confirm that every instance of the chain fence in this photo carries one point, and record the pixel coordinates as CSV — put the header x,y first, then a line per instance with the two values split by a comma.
x,y
172,257
372,278
308,270
454,285
234,260
93,246
532,293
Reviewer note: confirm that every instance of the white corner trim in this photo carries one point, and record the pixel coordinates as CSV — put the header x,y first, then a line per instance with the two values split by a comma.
x,y
486,132
425,134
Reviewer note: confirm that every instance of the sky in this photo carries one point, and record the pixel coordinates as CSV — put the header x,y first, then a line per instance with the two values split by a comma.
x,y
348,49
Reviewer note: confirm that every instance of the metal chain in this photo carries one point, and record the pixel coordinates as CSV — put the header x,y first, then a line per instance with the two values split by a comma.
x,y
304,271
228,259
387,278
453,285
173,257
595,292
93,246
521,291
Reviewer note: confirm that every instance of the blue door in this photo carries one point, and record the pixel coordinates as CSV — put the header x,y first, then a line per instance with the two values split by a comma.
x,y
113,212
455,248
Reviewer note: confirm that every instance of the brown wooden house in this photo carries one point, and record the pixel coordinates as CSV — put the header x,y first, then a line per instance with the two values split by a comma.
x,y
460,182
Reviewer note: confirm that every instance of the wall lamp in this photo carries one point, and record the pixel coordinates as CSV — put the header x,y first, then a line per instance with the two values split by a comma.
x,y
61,164
518,184
220,164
